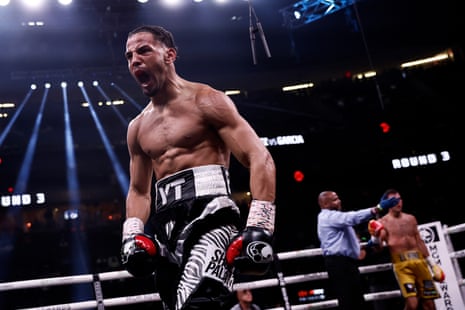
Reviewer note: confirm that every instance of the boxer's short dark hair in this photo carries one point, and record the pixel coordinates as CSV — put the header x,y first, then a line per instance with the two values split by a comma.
x,y
158,32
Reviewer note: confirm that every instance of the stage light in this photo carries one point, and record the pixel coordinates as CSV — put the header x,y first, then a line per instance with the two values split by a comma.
x,y
385,127
436,58
232,92
33,4
298,176
72,214
297,86
172,3
7,105
304,12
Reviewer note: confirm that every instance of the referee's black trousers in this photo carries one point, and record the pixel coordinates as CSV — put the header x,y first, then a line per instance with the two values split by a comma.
x,y
345,281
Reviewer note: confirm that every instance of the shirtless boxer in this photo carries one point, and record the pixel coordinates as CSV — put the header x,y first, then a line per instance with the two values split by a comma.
x,y
183,139
414,269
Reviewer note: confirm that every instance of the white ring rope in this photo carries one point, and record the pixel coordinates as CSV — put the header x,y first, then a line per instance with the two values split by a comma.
x,y
126,300
455,229
117,301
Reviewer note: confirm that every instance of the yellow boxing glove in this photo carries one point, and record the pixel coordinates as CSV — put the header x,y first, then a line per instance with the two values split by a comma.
x,y
436,270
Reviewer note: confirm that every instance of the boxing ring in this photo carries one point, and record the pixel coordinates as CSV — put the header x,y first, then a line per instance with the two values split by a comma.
x,y
437,238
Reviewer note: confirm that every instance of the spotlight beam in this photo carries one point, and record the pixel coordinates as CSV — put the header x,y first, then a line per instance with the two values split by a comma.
x,y
25,171
15,116
118,113
71,171
129,98
120,173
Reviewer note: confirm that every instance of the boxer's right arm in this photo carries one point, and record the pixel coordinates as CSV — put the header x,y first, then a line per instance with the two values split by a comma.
x,y
375,227
138,199
139,252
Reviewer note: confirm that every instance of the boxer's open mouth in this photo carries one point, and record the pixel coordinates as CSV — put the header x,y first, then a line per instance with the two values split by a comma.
x,y
141,76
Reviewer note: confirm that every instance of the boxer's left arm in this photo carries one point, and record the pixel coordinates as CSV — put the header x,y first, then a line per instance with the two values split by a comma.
x,y
436,271
251,252
421,246
239,137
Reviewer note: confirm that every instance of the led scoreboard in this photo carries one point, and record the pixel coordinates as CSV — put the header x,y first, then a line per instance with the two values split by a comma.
x,y
22,200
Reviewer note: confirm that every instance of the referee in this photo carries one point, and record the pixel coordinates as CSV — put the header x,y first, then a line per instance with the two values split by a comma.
x,y
341,247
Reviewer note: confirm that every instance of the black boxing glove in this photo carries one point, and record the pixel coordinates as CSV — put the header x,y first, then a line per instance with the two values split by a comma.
x,y
139,255
251,252
139,251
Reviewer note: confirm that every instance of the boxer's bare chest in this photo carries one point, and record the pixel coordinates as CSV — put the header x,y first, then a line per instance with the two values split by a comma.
x,y
165,130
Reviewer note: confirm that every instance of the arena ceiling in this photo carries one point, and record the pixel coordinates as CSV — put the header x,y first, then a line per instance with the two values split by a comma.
x,y
87,39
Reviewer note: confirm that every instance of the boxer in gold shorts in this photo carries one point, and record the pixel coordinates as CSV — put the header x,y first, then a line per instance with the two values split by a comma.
x,y
415,270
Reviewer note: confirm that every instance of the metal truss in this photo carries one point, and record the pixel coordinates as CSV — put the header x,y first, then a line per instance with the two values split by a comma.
x,y
306,11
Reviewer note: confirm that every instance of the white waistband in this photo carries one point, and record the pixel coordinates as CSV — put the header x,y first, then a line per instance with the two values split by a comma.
x,y
209,180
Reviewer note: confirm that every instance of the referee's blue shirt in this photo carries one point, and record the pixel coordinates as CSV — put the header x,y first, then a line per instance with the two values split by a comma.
x,y
336,233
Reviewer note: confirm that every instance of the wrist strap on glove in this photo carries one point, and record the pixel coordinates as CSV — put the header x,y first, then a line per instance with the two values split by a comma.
x,y
430,261
374,241
132,226
262,215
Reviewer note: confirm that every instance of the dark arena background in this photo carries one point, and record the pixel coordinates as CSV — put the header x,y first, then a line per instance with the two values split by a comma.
x,y
66,98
